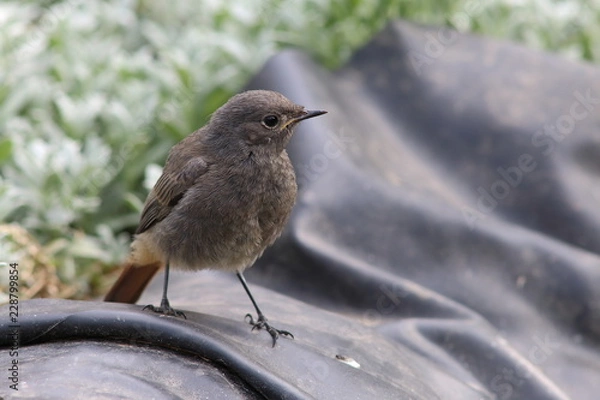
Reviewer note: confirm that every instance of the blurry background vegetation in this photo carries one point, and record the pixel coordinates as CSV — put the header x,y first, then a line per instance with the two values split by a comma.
x,y
94,93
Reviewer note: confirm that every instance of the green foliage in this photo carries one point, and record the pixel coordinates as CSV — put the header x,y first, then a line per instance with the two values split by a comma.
x,y
93,94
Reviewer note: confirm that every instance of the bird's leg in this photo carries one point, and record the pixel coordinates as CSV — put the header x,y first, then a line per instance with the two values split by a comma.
x,y
165,307
261,321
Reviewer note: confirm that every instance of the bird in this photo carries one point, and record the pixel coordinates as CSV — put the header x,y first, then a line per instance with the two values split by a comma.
x,y
225,194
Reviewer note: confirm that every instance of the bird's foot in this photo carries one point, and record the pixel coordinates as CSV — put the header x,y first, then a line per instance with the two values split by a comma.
x,y
166,309
261,323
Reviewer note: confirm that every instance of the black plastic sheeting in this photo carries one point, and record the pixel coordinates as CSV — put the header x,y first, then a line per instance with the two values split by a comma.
x,y
444,245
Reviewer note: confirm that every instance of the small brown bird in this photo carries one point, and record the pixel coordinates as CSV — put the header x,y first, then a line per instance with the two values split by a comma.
x,y
225,194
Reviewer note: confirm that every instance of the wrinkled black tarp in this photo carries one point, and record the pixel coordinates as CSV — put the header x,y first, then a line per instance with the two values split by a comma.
x,y
445,238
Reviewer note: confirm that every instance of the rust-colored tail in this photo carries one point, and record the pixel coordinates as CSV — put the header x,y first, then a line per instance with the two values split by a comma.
x,y
132,282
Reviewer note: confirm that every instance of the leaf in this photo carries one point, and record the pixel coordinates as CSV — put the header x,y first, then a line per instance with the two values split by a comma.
x,y
6,147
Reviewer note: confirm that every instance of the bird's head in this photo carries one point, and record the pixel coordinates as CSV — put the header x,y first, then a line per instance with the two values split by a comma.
x,y
258,120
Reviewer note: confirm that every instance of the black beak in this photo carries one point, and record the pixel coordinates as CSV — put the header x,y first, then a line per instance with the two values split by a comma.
x,y
307,114
310,114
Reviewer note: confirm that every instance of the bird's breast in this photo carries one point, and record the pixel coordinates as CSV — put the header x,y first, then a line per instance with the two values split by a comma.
x,y
232,215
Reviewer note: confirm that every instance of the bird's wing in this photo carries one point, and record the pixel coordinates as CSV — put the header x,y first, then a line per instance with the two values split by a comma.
x,y
169,189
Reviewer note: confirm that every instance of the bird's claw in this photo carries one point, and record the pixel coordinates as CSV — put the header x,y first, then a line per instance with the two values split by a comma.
x,y
165,309
261,323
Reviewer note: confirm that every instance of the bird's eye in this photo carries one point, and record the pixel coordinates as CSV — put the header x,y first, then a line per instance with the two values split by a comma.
x,y
270,121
